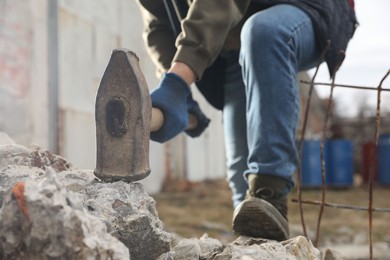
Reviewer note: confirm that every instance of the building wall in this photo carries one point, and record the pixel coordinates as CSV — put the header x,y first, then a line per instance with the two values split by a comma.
x,y
88,31
23,69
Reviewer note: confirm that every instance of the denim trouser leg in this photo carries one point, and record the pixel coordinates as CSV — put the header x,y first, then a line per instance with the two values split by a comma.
x,y
275,44
235,127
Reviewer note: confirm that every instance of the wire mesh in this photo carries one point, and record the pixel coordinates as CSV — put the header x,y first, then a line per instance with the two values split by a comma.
x,y
323,202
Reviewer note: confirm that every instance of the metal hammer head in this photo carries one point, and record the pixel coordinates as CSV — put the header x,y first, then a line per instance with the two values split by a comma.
x,y
123,117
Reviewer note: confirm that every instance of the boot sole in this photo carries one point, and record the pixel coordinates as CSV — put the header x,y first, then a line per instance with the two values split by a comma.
x,y
258,218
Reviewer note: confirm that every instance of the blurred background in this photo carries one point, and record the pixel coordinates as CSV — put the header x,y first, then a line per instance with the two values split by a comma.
x,y
53,54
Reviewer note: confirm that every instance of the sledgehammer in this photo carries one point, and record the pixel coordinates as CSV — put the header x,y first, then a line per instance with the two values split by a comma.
x,y
124,119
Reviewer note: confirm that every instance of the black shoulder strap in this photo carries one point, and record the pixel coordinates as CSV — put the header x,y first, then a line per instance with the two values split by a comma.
x,y
177,11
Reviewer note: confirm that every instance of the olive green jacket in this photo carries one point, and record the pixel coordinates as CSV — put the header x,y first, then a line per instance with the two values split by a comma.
x,y
204,33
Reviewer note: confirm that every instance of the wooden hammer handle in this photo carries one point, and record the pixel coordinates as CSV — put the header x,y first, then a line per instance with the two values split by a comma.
x,y
158,120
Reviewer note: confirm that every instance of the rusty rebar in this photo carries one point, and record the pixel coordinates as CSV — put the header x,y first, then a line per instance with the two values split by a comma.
x,y
323,138
343,86
373,154
341,206
322,203
323,173
299,177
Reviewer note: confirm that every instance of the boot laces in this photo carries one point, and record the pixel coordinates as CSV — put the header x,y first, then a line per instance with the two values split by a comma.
x,y
264,193
269,195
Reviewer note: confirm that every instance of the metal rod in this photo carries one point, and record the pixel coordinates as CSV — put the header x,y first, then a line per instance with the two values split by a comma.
x,y
343,85
323,138
370,179
299,182
322,203
340,206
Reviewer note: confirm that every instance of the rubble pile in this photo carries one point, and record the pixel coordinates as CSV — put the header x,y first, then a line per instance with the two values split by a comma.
x,y
50,210
243,248
44,221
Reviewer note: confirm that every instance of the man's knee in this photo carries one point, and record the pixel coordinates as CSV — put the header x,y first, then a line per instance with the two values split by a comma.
x,y
260,32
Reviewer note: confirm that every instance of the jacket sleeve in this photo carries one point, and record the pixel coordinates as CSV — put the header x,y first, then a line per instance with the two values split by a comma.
x,y
205,29
158,34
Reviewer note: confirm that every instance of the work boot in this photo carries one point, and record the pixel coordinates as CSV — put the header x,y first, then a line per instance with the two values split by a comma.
x,y
263,213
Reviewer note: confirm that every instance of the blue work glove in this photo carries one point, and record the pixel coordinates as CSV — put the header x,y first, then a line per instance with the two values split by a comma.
x,y
171,98
203,121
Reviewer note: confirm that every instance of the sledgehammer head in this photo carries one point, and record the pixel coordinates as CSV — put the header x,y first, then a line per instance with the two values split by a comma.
x,y
123,115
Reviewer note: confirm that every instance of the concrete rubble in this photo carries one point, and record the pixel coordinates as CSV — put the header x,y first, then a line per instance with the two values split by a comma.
x,y
50,210
44,221
207,248
127,211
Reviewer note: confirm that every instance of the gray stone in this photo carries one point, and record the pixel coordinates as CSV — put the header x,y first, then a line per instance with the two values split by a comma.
x,y
193,248
19,163
10,175
13,154
256,249
243,248
38,221
127,210
131,215
331,254
301,248
350,251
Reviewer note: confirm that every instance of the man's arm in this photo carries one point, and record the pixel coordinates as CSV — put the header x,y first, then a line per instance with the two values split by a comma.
x,y
184,71
204,31
158,34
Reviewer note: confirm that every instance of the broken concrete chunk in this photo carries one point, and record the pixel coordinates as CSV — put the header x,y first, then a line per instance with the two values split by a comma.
x,y
132,215
193,248
331,254
127,211
243,248
10,175
37,221
301,248
12,154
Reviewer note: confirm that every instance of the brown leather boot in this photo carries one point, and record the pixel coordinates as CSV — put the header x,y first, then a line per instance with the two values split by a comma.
x,y
263,213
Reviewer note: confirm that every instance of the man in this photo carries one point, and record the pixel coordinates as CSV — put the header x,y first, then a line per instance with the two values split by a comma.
x,y
252,50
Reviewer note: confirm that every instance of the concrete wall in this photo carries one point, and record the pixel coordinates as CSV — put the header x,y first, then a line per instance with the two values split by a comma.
x,y
88,31
23,71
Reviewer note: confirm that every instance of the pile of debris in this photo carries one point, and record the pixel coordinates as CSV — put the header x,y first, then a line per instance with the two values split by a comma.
x,y
50,210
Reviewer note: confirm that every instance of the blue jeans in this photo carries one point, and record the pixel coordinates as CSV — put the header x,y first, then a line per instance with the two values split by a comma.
x,y
262,97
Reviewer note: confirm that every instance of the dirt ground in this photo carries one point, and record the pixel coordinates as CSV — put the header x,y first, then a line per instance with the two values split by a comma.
x,y
192,209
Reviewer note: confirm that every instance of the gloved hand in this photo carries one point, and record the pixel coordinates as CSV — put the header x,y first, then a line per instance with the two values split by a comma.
x,y
171,97
203,121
